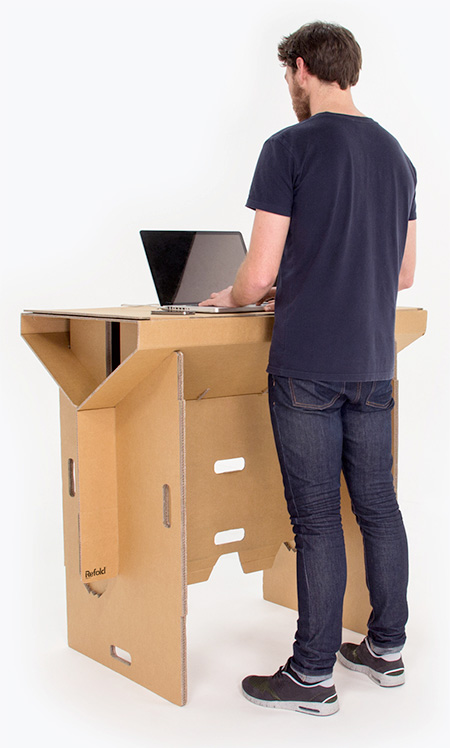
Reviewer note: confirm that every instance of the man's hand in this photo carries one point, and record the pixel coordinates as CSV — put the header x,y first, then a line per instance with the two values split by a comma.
x,y
268,300
255,278
225,298
220,298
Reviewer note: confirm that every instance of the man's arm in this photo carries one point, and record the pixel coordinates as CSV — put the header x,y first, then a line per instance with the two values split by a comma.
x,y
406,277
259,270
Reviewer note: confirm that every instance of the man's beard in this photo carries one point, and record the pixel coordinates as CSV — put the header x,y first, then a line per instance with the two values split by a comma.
x,y
300,103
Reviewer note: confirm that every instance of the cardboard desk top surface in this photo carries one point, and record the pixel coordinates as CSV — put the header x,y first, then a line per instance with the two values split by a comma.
x,y
147,311
144,312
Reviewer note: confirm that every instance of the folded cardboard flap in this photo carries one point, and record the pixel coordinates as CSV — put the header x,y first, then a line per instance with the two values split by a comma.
x,y
97,475
124,379
73,351
410,324
53,349
244,363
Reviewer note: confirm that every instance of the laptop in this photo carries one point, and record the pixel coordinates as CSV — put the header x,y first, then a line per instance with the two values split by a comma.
x,y
187,266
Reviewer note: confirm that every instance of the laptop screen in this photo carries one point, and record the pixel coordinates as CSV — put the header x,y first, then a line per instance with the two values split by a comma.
x,y
187,266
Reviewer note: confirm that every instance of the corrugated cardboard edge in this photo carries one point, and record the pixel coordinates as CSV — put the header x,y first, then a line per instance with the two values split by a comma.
x,y
182,428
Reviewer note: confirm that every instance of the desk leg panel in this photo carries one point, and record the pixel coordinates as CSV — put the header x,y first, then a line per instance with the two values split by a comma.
x,y
135,623
234,484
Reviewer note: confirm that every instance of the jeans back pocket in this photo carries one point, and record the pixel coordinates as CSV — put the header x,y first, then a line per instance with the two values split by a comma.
x,y
380,395
314,395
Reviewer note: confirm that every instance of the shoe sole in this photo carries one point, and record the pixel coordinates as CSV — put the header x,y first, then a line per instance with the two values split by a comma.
x,y
385,681
315,708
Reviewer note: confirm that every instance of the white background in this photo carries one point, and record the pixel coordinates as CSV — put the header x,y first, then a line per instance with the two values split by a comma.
x,y
118,116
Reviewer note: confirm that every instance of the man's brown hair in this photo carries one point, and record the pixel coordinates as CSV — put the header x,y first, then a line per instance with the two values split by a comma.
x,y
330,52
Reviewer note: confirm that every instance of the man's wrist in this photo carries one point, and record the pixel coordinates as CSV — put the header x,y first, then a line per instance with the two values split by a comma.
x,y
234,301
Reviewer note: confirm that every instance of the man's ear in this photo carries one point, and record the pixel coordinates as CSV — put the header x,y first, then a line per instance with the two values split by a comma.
x,y
301,68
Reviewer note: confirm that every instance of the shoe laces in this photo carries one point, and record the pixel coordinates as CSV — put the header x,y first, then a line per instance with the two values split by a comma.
x,y
285,669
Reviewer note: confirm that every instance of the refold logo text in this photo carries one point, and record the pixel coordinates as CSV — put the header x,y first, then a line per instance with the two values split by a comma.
x,y
94,572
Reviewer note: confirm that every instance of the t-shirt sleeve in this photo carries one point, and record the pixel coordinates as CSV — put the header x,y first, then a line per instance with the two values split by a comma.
x,y
272,188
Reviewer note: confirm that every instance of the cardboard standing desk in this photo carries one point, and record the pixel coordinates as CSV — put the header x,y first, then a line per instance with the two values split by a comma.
x,y
152,408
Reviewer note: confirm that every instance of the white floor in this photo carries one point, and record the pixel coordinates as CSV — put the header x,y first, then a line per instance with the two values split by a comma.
x,y
62,697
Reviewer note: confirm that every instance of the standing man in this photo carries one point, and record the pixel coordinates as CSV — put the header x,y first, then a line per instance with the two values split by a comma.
x,y
335,220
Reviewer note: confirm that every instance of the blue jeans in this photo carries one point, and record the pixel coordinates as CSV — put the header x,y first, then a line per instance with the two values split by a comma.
x,y
321,428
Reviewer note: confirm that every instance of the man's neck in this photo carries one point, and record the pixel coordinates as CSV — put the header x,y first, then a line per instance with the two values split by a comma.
x,y
331,98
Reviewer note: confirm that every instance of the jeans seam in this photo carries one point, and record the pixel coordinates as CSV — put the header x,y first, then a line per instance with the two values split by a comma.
x,y
281,446
376,405
358,394
310,406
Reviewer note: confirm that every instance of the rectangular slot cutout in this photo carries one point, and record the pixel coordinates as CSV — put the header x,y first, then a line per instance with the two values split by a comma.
x,y
120,654
229,536
234,465
166,505
72,486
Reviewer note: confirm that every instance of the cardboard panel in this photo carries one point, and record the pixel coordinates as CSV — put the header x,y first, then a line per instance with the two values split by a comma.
x,y
36,323
157,339
142,611
53,349
245,366
394,422
111,313
201,331
410,324
279,582
128,339
87,342
97,475
356,599
252,498
150,436
137,311
70,483
125,378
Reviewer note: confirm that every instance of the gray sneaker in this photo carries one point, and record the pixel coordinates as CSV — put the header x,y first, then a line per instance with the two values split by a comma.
x,y
358,657
284,690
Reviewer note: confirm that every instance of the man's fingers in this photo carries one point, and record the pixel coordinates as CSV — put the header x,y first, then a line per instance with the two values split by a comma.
x,y
219,298
209,302
269,296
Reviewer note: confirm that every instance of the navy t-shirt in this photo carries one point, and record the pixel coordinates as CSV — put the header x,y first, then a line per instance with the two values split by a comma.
x,y
349,190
